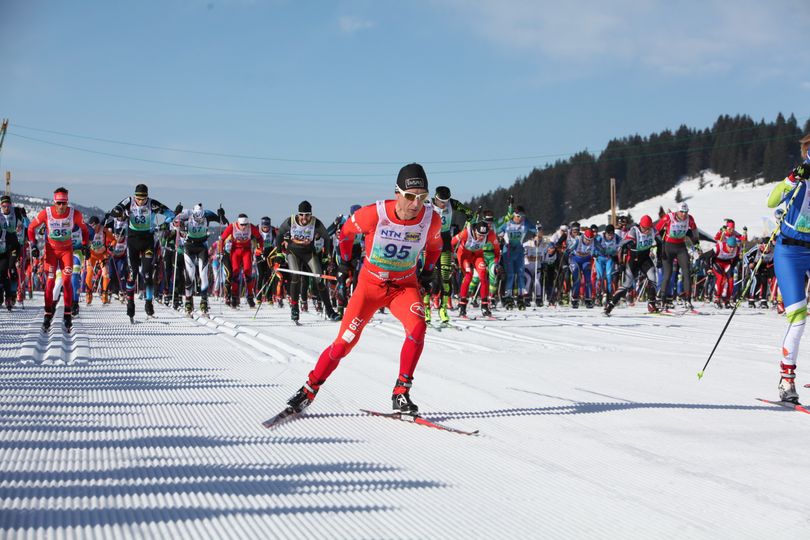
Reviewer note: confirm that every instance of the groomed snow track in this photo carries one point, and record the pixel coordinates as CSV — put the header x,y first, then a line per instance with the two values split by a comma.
x,y
590,428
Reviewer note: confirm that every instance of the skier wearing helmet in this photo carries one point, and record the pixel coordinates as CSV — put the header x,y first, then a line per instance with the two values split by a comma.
x,y
634,250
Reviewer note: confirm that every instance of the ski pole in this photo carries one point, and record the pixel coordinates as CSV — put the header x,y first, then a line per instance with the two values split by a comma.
x,y
742,294
266,286
174,269
302,273
536,254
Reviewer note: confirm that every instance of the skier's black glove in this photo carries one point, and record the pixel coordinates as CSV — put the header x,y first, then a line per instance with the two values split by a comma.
x,y
117,212
86,252
426,280
178,208
35,252
221,212
343,273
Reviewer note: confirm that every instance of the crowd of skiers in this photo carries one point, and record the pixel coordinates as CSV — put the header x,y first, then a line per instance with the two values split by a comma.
x,y
442,250
174,255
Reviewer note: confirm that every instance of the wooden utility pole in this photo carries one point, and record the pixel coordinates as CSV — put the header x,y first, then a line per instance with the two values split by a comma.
x,y
613,201
3,129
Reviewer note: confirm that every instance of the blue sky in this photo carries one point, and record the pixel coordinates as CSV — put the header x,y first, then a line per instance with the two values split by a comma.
x,y
335,96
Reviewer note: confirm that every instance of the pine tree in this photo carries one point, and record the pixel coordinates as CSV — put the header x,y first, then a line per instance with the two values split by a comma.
x,y
735,147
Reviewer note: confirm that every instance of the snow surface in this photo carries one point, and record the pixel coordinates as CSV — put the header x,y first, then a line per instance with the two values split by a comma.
x,y
746,204
590,427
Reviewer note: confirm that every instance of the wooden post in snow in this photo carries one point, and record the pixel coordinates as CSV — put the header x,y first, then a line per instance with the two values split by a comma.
x,y
613,201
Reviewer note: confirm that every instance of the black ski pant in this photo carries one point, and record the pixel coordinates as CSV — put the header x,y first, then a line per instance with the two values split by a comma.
x,y
636,268
140,254
672,252
307,261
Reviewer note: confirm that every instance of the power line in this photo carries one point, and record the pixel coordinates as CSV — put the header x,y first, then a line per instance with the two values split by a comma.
x,y
315,175
253,172
337,162
288,160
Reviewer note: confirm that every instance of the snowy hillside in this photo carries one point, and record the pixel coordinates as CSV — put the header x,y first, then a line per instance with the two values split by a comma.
x,y
710,204
589,427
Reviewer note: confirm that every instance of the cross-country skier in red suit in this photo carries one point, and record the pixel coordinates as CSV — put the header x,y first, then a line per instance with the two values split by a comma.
x,y
396,232
59,221
242,233
470,244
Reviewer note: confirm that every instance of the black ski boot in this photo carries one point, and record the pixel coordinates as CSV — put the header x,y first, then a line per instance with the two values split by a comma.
x,y
189,305
68,321
149,308
521,305
652,307
74,309
752,304
575,303
462,311
332,315
609,307
589,303
130,308
204,305
508,303
763,304
485,312
294,313
250,301
401,398
302,399
46,322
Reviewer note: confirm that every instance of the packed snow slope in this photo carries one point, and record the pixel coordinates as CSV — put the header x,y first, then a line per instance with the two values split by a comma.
x,y
711,200
590,427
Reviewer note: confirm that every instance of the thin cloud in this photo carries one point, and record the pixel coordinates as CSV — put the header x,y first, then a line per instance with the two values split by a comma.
x,y
349,24
672,38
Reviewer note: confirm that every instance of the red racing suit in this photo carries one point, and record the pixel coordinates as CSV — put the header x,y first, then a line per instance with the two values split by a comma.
x,y
242,253
387,279
725,259
58,249
470,255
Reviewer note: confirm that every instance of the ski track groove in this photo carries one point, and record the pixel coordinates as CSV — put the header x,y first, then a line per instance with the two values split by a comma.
x,y
289,346
488,328
394,328
159,436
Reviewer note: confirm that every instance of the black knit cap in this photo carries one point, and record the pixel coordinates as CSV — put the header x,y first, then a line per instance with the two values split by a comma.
x,y
141,190
412,176
5,198
304,207
443,193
